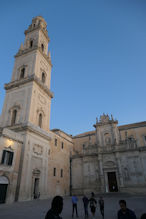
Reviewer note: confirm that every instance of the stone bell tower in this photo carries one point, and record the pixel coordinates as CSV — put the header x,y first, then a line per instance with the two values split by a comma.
x,y
28,95
27,110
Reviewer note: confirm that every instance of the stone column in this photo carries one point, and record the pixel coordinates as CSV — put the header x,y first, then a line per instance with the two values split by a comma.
x,y
121,184
101,175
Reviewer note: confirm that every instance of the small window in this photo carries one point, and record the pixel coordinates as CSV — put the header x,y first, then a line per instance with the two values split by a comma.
x,y
14,115
22,73
7,158
62,145
61,173
55,141
42,47
31,43
54,172
43,77
40,120
34,25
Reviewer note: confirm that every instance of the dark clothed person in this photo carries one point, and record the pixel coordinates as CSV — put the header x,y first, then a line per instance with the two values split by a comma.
x,y
56,208
93,203
124,212
86,202
101,205
143,216
74,205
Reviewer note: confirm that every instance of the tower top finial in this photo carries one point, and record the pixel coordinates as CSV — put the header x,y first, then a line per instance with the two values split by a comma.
x,y
38,22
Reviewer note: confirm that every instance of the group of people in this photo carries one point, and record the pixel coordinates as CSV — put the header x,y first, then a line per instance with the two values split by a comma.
x,y
92,202
57,207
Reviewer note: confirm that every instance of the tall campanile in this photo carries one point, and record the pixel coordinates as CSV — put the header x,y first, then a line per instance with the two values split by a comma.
x,y
27,109
28,95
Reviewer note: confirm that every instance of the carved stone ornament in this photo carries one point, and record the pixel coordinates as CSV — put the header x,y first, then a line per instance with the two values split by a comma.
x,y
104,118
36,171
37,149
41,99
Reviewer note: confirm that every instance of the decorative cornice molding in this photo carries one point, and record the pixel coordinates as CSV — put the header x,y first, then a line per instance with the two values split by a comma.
x,y
29,79
34,48
31,128
30,29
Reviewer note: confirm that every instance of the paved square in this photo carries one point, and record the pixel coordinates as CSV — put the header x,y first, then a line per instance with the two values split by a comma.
x,y
37,209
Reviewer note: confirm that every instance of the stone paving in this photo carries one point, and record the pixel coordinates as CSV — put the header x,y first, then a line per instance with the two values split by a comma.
x,y
37,209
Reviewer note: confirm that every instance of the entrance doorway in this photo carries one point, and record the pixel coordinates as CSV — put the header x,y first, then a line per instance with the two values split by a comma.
x,y
112,182
3,188
36,188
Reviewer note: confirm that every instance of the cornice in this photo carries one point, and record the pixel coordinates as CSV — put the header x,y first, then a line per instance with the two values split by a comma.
x,y
31,128
105,123
29,79
34,48
45,32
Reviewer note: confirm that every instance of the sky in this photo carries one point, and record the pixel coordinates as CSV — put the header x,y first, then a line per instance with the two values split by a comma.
x,y
98,51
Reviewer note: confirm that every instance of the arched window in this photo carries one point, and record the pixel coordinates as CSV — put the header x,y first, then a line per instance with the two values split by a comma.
x,y
31,43
42,47
14,115
22,73
43,77
40,120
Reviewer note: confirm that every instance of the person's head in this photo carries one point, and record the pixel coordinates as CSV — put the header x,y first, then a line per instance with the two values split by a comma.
x,y
143,216
57,204
122,204
92,194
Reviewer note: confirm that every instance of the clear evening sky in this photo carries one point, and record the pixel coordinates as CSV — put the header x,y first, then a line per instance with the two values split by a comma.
x,y
98,51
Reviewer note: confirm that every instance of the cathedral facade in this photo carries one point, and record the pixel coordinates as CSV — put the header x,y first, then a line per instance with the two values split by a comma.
x,y
36,162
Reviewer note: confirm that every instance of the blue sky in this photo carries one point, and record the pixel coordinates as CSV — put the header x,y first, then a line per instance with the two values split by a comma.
x,y
98,51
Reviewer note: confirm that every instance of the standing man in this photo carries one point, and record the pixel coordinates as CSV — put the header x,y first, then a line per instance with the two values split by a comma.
x,y
93,203
74,205
56,208
101,205
85,202
124,212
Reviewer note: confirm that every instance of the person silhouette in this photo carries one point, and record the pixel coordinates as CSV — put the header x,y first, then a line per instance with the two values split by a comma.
x,y
85,202
74,205
56,208
101,205
93,203
125,212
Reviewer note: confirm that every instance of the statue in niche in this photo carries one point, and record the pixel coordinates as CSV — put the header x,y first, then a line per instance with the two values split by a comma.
x,y
126,173
107,140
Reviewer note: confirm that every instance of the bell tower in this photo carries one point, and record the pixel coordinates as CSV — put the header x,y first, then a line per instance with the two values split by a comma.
x,y
28,95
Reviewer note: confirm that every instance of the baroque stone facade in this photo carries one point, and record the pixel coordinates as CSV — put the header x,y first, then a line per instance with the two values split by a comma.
x,y
36,162
110,159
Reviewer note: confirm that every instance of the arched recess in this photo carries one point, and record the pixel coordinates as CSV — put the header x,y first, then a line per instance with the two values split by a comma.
x,y
43,77
3,188
42,47
14,114
40,117
21,72
107,138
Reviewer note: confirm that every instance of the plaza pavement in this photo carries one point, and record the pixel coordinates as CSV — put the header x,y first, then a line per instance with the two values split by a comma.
x,y
37,209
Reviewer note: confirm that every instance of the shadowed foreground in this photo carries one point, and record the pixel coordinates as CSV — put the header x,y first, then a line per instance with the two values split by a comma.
x,y
37,209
